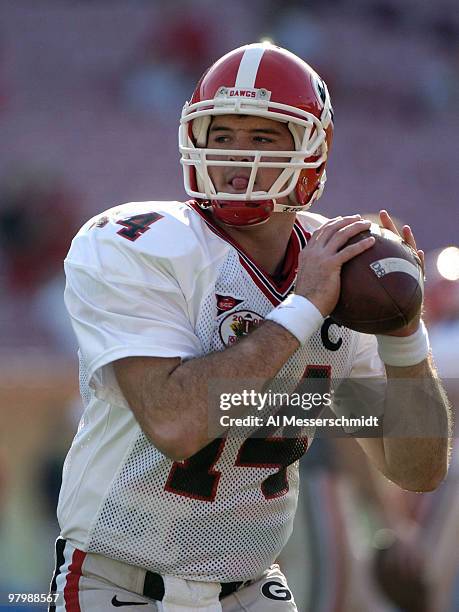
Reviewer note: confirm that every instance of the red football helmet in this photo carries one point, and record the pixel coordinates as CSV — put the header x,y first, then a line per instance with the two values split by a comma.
x,y
266,81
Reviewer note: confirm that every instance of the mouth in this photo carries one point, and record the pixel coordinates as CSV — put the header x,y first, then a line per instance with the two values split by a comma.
x,y
238,183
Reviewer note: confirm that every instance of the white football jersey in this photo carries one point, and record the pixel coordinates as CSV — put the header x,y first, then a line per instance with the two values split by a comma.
x,y
159,279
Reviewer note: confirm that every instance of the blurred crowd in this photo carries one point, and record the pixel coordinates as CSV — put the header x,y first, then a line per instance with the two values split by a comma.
x,y
90,96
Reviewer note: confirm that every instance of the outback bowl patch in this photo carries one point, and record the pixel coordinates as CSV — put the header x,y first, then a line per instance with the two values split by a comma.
x,y
237,325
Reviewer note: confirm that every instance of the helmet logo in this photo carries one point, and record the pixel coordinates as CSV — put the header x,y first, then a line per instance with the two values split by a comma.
x,y
322,93
321,90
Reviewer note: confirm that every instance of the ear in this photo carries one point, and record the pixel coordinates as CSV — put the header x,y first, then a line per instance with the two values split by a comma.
x,y
200,128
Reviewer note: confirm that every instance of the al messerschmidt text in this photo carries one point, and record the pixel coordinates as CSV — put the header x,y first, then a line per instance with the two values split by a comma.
x,y
286,420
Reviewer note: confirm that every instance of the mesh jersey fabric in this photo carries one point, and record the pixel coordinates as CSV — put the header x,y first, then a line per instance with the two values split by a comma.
x,y
158,279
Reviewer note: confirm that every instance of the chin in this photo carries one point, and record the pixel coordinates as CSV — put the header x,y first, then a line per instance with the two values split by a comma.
x,y
245,228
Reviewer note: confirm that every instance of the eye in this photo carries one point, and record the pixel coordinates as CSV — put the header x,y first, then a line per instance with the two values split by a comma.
x,y
263,139
219,139
219,136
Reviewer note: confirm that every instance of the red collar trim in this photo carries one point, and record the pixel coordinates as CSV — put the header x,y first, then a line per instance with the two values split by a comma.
x,y
274,290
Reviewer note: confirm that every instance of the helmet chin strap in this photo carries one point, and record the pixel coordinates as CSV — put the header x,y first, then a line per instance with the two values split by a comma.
x,y
236,213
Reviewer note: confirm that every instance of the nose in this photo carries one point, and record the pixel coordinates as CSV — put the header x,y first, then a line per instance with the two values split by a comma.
x,y
240,146
241,143
242,158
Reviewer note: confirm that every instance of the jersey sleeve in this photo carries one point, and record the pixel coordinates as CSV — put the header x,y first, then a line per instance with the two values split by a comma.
x,y
362,395
367,362
125,302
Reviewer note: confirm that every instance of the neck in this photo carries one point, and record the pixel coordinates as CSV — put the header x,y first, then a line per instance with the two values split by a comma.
x,y
266,244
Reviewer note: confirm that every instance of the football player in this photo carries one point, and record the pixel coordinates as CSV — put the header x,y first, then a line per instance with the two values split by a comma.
x,y
173,302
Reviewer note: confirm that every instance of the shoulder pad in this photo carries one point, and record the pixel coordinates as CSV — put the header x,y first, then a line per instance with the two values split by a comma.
x,y
311,221
141,241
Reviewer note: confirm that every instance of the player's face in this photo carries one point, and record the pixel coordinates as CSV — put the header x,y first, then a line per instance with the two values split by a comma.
x,y
245,132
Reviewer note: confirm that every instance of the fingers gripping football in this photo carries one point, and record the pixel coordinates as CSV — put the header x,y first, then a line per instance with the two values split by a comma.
x,y
408,237
320,262
407,234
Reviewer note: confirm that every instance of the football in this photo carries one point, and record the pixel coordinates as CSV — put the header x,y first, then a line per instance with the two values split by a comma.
x,y
382,288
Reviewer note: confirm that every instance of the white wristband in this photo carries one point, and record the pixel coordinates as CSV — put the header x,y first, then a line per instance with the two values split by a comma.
x,y
405,350
298,315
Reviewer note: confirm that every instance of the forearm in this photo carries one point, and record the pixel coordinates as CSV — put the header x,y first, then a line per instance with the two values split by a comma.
x,y
417,427
177,416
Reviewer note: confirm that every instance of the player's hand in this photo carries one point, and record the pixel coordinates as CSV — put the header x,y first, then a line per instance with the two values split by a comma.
x,y
408,237
320,262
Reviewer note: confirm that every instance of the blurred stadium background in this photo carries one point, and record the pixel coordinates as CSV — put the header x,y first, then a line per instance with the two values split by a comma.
x,y
90,96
